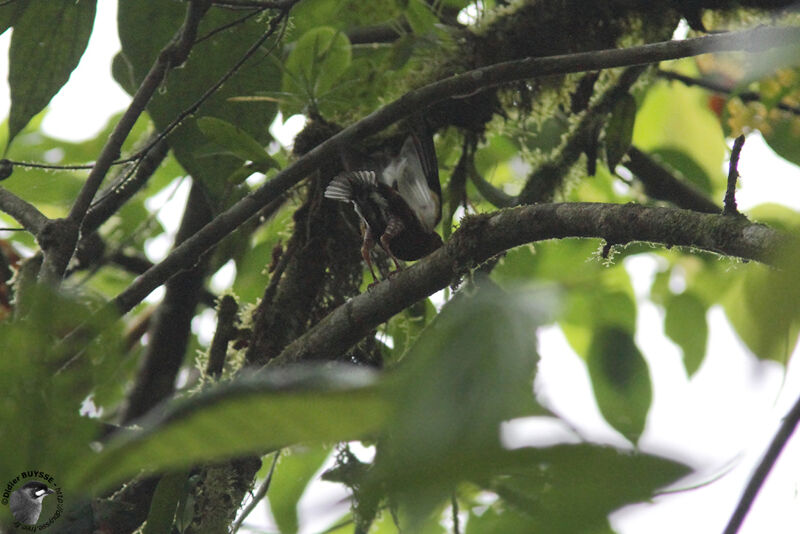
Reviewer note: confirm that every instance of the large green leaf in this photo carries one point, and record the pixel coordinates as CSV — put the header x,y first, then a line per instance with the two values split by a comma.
x,y
621,380
573,488
685,324
48,41
619,130
764,308
145,27
293,405
318,61
44,381
471,369
292,475
677,117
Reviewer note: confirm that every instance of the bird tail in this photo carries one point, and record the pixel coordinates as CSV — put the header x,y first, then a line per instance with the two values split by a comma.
x,y
341,187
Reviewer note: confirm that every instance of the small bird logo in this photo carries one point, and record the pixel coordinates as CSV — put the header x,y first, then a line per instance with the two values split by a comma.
x,y
26,502
402,208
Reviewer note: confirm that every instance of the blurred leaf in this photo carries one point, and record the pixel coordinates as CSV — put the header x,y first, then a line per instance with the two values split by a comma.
x,y
763,307
47,42
239,142
685,166
573,488
685,324
145,26
471,369
168,492
677,117
783,136
10,14
420,16
40,406
619,130
621,380
292,475
318,61
304,404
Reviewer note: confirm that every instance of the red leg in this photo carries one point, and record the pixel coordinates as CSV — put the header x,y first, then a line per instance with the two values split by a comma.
x,y
366,247
393,228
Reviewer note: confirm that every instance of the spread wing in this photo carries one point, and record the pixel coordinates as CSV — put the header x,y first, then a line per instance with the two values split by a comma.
x,y
406,173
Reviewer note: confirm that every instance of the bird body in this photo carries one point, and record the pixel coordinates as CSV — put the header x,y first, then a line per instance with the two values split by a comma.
x,y
26,502
401,209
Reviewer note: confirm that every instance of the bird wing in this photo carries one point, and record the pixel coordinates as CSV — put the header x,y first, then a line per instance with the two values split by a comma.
x,y
406,174
341,187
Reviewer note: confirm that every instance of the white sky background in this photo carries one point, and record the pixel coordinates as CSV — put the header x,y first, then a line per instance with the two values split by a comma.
x,y
721,421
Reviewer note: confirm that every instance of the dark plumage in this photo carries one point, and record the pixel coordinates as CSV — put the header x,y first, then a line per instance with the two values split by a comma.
x,y
26,502
401,209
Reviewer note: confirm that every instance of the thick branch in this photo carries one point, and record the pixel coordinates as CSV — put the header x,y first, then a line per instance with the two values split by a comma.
x,y
481,237
185,255
171,327
26,214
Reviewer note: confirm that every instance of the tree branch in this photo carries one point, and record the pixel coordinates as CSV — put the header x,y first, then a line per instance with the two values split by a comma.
x,y
746,96
758,477
469,82
26,214
171,326
733,176
661,184
173,55
481,237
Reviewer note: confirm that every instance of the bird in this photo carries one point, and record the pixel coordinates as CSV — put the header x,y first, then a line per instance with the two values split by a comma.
x,y
401,208
26,502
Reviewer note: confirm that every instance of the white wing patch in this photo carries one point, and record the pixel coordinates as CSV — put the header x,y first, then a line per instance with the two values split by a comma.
x,y
341,187
406,175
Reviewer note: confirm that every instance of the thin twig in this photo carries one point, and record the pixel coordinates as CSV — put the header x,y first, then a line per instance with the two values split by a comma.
x,y
258,496
717,87
183,115
454,509
173,55
733,175
185,255
764,467
49,166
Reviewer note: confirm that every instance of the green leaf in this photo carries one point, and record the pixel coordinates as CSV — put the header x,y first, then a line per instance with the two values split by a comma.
x,y
40,406
573,488
677,117
783,136
304,404
685,324
9,15
237,141
763,307
49,39
472,368
145,27
292,475
318,61
168,492
684,166
619,130
621,381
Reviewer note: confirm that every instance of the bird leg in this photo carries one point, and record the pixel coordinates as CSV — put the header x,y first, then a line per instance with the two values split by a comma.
x,y
393,228
366,247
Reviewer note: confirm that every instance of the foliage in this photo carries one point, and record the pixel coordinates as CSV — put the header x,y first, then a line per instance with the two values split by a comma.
x,y
428,390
